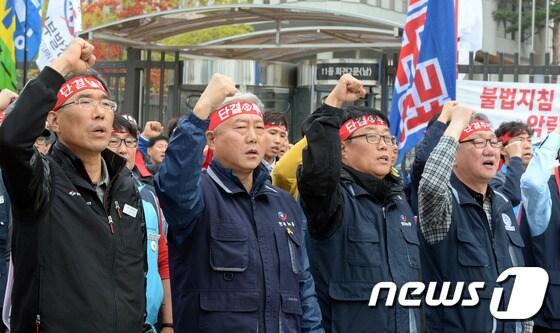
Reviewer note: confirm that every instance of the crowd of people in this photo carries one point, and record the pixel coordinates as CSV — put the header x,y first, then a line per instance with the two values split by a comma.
x,y
220,225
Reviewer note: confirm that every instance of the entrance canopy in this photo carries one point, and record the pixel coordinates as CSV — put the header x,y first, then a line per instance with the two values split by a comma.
x,y
281,32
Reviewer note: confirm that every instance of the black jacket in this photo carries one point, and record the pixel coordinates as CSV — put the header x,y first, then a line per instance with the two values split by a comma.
x,y
72,272
362,233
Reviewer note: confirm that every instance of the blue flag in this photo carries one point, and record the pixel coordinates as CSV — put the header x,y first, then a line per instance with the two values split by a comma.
x,y
33,15
426,73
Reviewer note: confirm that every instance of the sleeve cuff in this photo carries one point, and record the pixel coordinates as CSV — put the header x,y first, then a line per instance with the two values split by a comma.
x,y
333,112
51,78
202,124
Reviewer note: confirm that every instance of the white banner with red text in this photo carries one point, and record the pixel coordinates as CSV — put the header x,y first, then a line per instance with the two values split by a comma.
x,y
534,103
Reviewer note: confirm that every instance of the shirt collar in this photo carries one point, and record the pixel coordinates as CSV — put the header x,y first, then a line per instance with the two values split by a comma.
x,y
104,174
479,197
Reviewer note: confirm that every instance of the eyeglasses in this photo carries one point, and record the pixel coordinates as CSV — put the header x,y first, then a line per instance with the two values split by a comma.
x,y
89,104
129,142
482,143
376,138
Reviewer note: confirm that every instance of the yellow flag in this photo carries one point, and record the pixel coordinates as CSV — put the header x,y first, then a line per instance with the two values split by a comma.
x,y
7,49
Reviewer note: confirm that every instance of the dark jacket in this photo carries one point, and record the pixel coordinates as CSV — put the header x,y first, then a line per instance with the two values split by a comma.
x,y
362,233
545,254
72,271
508,181
471,251
423,150
235,256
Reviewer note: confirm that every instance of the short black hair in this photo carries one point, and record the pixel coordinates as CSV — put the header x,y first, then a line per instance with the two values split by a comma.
x,y
121,123
154,140
513,128
171,124
275,118
90,72
354,112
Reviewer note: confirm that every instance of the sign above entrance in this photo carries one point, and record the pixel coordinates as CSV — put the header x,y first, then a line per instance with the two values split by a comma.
x,y
329,73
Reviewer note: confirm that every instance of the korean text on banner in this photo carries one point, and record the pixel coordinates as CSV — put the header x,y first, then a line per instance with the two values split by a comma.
x,y
61,25
536,104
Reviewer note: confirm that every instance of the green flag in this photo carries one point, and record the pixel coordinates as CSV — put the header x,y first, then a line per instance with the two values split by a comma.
x,y
7,50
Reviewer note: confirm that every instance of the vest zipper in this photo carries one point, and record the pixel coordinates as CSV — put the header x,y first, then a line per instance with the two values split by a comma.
x,y
118,208
111,225
38,323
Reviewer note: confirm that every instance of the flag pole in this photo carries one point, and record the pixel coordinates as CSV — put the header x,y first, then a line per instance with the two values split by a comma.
x,y
546,27
25,46
520,7
533,28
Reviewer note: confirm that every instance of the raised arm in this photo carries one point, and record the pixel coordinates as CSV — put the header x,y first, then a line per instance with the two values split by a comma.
x,y
434,196
178,179
25,172
535,192
511,187
319,176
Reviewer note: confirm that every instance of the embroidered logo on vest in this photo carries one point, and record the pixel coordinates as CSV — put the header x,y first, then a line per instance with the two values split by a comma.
x,y
404,221
507,223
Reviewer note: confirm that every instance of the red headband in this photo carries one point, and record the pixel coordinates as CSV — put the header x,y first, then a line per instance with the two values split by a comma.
x,y
508,136
280,127
231,110
74,86
352,125
475,126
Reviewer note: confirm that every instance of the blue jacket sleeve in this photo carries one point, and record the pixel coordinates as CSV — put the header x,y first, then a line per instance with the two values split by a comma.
x,y
510,185
423,151
178,179
143,145
311,319
535,192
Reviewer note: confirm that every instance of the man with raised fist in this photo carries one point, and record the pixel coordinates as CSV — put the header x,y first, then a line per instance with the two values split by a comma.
x,y
235,242
78,244
469,232
361,227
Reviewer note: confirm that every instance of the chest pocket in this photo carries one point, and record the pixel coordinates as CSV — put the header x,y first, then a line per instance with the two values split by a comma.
x,y
294,245
131,228
515,247
229,246
470,251
363,247
412,246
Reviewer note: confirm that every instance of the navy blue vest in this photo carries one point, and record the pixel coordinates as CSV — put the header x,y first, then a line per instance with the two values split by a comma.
x,y
238,270
469,253
372,244
546,254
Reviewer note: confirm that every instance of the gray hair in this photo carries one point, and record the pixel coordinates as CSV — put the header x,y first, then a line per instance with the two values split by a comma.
x,y
242,97
479,116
